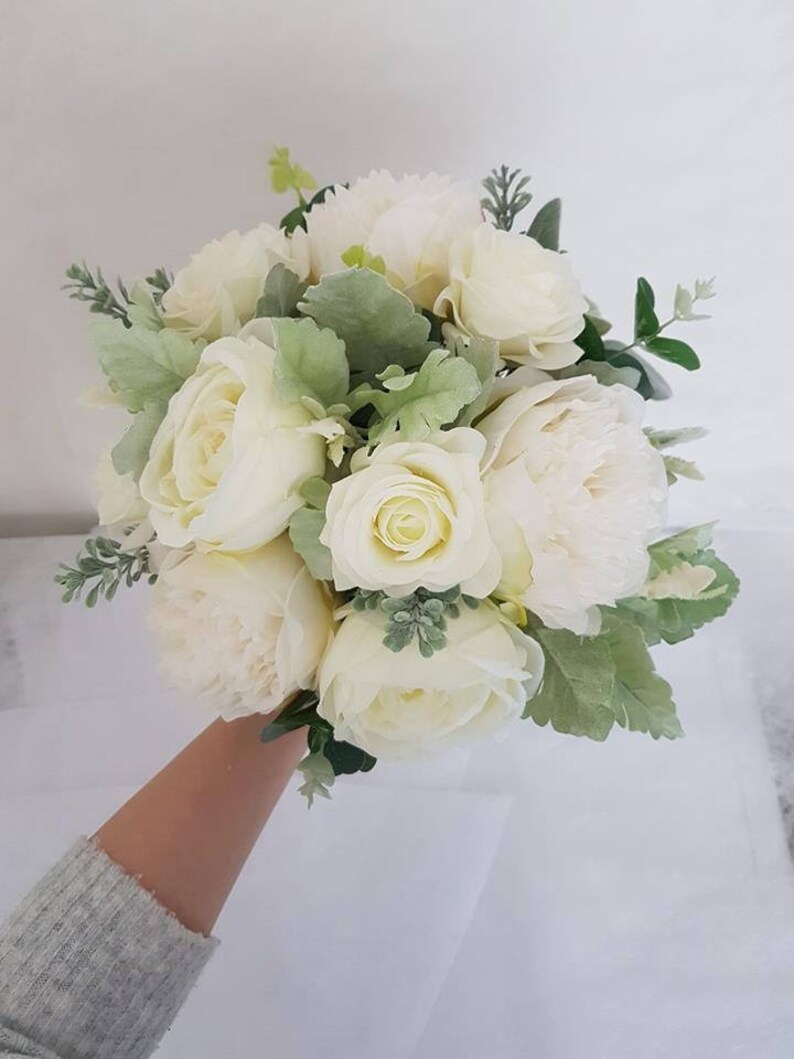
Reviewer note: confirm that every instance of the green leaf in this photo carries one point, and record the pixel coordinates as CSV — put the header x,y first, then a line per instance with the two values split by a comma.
x,y
310,362
318,777
142,309
652,386
432,397
641,700
545,228
378,325
299,713
666,439
281,294
131,453
347,759
296,218
143,366
305,528
358,256
646,322
483,355
577,684
286,175
674,350
590,341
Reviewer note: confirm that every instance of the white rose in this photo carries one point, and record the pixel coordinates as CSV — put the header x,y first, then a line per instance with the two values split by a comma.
x,y
216,293
506,286
241,632
411,513
410,223
405,706
575,493
227,463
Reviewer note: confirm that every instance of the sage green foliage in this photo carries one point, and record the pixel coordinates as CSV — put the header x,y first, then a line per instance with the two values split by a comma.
x,y
590,341
667,438
378,325
419,403
84,286
131,453
507,195
127,306
306,525
143,310
647,330
607,374
592,683
421,616
310,362
674,620
545,228
483,355
296,218
144,366
281,293
100,567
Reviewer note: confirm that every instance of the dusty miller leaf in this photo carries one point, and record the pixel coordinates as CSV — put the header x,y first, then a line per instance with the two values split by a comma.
x,y
144,366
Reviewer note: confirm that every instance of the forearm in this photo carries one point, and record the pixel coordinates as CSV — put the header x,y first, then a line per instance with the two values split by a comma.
x,y
187,834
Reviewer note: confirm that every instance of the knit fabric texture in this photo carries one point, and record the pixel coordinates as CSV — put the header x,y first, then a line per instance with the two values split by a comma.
x,y
91,966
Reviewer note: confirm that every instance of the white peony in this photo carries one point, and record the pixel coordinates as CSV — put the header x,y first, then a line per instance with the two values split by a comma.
x,y
216,293
506,286
241,632
575,493
227,463
406,706
409,222
411,513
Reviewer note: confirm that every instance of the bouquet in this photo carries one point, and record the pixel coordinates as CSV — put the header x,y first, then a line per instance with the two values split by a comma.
x,y
385,466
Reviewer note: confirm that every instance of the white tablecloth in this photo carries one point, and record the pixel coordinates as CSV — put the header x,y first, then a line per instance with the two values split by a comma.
x,y
540,896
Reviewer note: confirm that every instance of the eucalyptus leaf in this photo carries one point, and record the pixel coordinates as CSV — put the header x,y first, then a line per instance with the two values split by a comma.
x,y
143,366
378,325
652,386
310,362
318,777
545,228
607,374
589,340
646,322
674,350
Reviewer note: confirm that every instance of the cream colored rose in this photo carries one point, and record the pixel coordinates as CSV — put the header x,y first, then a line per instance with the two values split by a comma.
x,y
410,222
122,511
574,493
406,706
506,286
411,513
241,632
227,463
216,293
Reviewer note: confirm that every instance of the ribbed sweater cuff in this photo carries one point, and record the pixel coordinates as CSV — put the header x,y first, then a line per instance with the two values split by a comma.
x,y
91,965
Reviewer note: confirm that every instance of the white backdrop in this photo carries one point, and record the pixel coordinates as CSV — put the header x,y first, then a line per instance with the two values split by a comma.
x,y
136,132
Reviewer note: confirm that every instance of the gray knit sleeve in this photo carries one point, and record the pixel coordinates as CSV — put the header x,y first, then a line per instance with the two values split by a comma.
x,y
91,966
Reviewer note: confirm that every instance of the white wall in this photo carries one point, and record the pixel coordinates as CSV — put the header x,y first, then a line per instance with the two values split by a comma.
x,y
136,131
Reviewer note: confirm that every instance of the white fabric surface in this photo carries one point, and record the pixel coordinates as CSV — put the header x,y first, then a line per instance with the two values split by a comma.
x,y
637,903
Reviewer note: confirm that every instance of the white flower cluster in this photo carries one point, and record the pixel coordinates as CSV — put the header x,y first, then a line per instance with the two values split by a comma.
x,y
336,518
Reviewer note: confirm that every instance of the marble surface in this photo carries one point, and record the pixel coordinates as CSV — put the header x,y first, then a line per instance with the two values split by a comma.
x,y
540,895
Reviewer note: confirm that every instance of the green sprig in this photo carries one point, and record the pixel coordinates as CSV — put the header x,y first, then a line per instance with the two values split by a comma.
x,y
94,289
103,564
420,616
507,195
